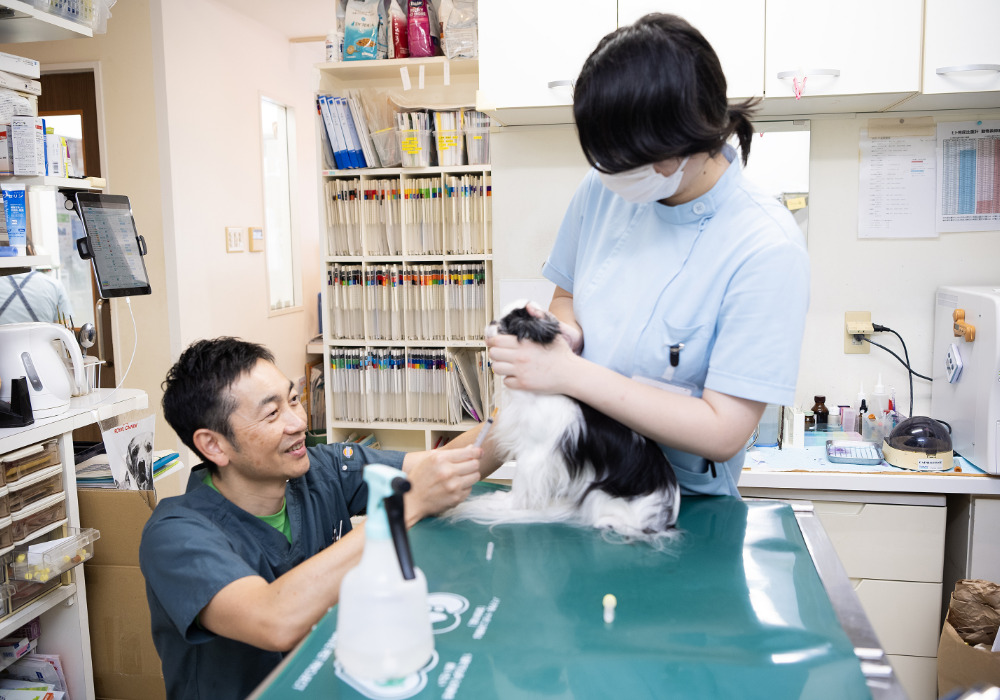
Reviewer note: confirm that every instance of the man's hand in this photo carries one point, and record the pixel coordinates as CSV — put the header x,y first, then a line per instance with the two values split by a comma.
x,y
440,479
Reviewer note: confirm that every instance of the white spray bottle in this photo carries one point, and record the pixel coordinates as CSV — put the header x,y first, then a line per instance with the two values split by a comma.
x,y
383,623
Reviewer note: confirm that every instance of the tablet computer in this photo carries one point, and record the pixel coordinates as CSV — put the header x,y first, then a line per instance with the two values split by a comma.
x,y
114,244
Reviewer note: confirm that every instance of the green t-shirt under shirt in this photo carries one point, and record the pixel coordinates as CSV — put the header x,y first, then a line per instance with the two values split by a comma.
x,y
279,521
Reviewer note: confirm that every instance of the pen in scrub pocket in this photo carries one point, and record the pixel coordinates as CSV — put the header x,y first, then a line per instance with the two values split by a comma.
x,y
486,428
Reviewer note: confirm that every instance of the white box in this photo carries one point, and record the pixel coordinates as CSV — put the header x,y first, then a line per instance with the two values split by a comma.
x,y
19,65
6,151
55,149
24,135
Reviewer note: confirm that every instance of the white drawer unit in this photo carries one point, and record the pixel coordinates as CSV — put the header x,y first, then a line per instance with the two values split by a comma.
x,y
917,675
887,605
881,541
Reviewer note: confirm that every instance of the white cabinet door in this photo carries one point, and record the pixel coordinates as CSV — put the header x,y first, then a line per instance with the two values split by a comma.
x,y
734,28
960,36
851,48
524,45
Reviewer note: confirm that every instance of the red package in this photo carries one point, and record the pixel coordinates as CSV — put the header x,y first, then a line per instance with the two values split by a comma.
x,y
398,23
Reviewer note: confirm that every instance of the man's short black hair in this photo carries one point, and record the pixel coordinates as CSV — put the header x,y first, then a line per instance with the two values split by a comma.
x,y
196,391
655,90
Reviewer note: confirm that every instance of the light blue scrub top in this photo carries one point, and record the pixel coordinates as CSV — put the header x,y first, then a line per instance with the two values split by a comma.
x,y
726,274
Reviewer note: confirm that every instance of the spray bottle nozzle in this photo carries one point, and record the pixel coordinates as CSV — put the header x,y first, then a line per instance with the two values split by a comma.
x,y
400,485
386,519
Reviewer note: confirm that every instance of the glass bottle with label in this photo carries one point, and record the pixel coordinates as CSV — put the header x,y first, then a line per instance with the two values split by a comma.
x,y
820,412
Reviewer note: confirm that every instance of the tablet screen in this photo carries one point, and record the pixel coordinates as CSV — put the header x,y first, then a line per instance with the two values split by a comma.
x,y
114,241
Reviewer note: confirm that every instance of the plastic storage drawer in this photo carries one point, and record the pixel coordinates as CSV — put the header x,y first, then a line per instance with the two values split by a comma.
x,y
5,500
19,464
43,561
42,516
30,490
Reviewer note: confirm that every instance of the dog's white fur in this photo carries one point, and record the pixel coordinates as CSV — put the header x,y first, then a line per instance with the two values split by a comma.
x,y
530,428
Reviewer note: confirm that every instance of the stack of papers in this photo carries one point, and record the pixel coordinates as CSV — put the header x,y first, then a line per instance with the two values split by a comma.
x,y
95,473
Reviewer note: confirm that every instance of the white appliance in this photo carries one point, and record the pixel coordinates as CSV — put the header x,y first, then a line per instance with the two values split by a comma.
x,y
28,350
966,372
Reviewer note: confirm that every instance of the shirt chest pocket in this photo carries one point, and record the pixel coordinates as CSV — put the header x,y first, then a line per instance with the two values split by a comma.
x,y
679,353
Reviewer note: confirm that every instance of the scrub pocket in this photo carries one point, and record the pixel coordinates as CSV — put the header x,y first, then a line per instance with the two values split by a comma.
x,y
692,358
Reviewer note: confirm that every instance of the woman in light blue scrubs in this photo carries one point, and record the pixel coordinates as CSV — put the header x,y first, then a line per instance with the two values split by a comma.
x,y
682,289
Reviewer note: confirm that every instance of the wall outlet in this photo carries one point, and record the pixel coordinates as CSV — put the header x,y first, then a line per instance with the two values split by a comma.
x,y
236,239
857,323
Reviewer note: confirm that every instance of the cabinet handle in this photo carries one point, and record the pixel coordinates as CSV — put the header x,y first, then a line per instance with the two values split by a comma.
x,y
785,75
561,83
968,68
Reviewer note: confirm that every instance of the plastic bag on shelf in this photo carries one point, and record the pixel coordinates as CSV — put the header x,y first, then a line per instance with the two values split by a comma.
x,y
461,30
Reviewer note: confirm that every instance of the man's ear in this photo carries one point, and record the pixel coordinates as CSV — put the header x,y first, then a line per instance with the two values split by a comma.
x,y
212,445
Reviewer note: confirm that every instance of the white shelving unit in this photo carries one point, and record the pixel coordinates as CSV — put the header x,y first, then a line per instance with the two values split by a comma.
x,y
402,299
422,236
63,610
22,22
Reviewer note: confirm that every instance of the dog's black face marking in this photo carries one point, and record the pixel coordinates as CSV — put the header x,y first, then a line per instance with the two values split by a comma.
x,y
522,324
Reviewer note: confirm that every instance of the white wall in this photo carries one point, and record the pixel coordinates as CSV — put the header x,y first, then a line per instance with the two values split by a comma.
x,y
215,70
536,169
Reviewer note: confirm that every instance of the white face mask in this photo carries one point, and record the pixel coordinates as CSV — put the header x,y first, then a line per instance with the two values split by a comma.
x,y
643,184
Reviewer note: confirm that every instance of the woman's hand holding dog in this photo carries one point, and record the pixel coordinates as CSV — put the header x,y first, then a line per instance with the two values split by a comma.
x,y
529,366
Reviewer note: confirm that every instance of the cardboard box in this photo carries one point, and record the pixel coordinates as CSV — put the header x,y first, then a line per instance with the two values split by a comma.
x,y
962,666
126,665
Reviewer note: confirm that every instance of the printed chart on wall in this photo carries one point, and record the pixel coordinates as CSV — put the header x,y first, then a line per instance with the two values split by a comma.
x,y
896,179
968,188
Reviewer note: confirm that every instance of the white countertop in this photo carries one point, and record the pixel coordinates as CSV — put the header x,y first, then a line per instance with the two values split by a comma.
x,y
100,404
834,477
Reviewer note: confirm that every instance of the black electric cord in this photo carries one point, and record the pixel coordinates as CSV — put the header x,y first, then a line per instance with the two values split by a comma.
x,y
906,363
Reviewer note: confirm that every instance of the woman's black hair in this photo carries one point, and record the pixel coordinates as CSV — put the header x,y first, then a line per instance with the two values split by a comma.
x,y
655,90
196,391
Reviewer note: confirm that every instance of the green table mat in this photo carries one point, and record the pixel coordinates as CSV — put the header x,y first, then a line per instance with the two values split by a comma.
x,y
734,609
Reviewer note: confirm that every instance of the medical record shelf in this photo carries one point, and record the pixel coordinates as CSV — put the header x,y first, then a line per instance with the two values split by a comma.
x,y
408,294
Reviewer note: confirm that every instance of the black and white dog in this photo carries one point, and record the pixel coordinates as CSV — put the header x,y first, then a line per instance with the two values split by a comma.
x,y
574,464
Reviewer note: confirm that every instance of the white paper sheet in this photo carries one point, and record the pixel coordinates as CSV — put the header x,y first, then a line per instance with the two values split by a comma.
x,y
968,182
896,186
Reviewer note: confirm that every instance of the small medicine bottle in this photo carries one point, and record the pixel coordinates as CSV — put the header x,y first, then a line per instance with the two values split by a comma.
x,y
334,44
820,411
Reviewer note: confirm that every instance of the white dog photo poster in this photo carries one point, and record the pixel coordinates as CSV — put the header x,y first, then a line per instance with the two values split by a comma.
x,y
130,451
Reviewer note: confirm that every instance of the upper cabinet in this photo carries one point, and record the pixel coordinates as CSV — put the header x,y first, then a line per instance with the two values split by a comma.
x,y
852,55
738,40
22,22
802,58
530,53
961,55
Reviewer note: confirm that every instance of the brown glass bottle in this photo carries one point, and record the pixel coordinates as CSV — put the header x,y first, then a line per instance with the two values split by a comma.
x,y
820,411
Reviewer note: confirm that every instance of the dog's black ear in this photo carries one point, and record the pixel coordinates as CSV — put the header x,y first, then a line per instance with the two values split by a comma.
x,y
519,322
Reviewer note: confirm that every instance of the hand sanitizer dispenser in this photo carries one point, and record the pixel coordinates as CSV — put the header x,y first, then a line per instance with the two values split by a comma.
x,y
383,623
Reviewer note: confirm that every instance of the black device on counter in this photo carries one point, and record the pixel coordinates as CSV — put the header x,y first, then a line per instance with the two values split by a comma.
x,y
113,243
17,413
